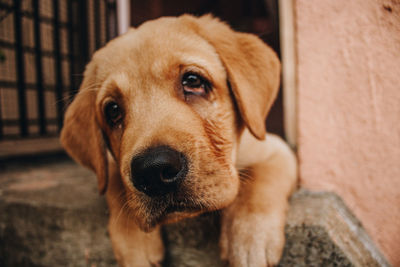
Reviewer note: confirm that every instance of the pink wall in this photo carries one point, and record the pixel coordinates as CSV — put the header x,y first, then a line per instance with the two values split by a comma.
x,y
349,109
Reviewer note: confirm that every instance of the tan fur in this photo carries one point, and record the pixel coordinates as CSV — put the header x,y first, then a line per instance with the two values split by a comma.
x,y
219,134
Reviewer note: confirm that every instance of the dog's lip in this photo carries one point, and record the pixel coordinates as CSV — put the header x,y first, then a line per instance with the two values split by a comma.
x,y
168,211
182,208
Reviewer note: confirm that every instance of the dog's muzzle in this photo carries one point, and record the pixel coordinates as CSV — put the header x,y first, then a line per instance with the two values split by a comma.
x,y
158,171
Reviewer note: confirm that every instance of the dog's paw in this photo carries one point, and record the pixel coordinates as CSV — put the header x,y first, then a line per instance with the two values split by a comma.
x,y
155,251
251,238
156,261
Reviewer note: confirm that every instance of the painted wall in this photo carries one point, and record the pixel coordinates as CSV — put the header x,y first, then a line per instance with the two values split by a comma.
x,y
349,109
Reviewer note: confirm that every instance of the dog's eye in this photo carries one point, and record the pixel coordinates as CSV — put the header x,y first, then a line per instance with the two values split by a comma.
x,y
195,84
113,113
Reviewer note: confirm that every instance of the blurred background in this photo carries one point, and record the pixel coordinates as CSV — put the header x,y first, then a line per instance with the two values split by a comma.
x,y
44,47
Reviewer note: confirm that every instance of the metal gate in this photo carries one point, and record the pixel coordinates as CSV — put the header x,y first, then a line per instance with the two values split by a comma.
x,y
44,46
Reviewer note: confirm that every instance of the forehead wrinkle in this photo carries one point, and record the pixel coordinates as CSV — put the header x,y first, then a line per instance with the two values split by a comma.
x,y
121,81
212,68
177,40
170,63
111,88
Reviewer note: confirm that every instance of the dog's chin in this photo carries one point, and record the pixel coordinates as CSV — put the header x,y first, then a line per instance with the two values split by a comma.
x,y
169,214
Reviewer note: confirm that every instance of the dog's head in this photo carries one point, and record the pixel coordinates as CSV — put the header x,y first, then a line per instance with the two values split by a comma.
x,y
169,101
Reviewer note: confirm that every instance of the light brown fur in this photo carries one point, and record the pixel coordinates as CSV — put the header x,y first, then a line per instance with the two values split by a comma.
x,y
220,134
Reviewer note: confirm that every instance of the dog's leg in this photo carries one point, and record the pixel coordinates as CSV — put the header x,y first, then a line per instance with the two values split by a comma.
x,y
132,247
252,231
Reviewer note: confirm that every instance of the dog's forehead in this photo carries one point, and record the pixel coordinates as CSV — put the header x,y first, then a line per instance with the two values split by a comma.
x,y
159,47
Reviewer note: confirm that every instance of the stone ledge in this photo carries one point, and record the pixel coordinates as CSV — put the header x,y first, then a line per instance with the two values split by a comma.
x,y
52,215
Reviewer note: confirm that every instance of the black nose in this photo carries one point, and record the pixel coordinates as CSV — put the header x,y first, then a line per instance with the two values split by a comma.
x,y
158,171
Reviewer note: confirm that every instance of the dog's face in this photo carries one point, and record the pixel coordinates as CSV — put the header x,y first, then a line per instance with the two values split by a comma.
x,y
169,101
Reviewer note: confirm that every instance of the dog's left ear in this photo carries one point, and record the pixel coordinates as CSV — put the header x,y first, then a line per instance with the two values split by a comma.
x,y
81,135
253,69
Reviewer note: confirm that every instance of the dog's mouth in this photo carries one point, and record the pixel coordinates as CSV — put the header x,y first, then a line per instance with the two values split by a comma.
x,y
160,211
171,214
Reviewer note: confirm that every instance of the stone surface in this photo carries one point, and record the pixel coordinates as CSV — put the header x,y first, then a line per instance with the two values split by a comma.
x,y
52,215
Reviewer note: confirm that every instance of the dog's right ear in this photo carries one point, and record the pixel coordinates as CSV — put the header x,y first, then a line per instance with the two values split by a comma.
x,y
253,69
81,135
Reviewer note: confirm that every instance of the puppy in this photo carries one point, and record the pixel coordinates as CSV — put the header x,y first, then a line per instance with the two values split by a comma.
x,y
171,118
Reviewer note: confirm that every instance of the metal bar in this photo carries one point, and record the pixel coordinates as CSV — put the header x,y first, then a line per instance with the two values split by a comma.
x,y
107,21
112,22
83,47
97,24
58,66
39,69
1,120
20,68
84,31
123,16
287,21
71,47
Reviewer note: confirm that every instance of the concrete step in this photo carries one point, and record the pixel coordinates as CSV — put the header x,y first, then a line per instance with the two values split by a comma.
x,y
52,215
